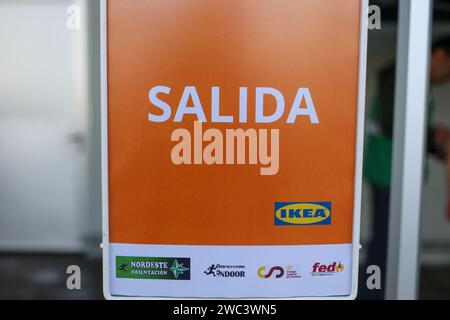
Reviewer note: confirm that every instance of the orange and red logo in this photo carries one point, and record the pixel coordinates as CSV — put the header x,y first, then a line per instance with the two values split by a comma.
x,y
278,272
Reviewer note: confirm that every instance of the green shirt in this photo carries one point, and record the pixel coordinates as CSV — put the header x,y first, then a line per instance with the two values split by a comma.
x,y
379,128
378,150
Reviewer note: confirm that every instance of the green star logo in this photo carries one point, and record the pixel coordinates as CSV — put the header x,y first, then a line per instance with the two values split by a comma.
x,y
177,269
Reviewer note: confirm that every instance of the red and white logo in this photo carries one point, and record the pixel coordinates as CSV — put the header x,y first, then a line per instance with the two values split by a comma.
x,y
319,269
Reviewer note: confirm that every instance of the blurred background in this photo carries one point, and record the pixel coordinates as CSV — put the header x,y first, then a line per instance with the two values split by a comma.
x,y
50,210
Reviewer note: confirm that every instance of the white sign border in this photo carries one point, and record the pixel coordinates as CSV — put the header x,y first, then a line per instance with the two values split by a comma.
x,y
358,161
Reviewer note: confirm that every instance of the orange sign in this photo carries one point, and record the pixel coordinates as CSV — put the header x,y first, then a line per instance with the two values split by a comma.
x,y
231,124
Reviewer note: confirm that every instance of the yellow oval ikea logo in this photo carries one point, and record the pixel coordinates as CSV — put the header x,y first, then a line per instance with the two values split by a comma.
x,y
302,213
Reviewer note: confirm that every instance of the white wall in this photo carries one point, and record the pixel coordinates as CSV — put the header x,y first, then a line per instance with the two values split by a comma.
x,y
45,107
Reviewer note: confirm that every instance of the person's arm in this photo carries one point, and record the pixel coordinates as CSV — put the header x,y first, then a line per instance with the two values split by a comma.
x,y
438,138
448,181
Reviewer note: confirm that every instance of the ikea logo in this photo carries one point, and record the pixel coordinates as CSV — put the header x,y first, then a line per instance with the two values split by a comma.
x,y
302,213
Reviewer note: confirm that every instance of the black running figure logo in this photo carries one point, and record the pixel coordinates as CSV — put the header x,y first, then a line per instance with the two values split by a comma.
x,y
211,270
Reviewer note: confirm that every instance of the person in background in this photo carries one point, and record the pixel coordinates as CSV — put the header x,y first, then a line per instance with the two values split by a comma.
x,y
378,152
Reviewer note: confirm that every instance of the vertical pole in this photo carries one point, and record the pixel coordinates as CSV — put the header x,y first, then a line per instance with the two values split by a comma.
x,y
411,102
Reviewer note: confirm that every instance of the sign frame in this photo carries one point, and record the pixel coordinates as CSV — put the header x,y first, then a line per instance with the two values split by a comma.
x,y
363,34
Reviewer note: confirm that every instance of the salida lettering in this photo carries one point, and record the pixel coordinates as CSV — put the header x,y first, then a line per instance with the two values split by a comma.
x,y
234,146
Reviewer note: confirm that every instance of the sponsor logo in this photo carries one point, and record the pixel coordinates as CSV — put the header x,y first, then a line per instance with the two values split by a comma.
x,y
302,213
319,269
153,268
278,272
225,271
